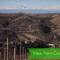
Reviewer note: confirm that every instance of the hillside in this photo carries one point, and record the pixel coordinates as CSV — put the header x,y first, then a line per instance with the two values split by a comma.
x,y
19,26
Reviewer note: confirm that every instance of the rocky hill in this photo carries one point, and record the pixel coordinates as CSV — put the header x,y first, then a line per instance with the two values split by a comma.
x,y
29,27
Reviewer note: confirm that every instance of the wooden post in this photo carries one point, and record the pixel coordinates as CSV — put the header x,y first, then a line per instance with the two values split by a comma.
x,y
4,53
0,56
20,52
23,53
7,48
14,53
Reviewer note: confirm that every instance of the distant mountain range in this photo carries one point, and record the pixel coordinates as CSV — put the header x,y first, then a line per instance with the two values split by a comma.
x,y
34,11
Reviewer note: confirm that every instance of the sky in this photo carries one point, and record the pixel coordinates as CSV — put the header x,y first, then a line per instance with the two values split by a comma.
x,y
30,4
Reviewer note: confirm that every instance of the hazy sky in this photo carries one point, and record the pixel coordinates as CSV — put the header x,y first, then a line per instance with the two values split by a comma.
x,y
29,4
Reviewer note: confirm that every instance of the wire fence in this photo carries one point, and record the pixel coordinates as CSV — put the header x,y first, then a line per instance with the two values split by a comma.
x,y
9,52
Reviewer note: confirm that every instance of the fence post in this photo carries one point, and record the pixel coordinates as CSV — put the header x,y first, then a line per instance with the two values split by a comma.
x,y
14,53
0,55
4,53
20,52
7,48
23,53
